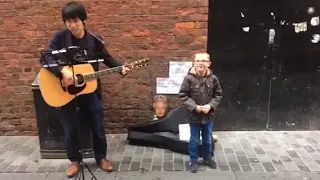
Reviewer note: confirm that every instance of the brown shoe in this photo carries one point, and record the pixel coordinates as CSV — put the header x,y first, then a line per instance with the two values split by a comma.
x,y
73,169
106,165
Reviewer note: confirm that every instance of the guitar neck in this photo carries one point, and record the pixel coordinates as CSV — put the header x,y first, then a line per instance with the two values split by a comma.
x,y
102,73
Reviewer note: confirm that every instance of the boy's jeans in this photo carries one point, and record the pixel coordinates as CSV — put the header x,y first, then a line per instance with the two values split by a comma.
x,y
207,140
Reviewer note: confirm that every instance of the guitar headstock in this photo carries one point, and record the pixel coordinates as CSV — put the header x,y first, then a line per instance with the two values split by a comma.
x,y
138,63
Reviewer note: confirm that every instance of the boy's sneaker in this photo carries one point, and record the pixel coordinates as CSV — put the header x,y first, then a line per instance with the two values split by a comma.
x,y
210,163
193,167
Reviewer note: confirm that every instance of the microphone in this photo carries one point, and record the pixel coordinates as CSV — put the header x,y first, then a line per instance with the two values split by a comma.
x,y
272,33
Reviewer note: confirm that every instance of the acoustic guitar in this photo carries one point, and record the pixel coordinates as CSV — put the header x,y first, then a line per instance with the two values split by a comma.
x,y
56,93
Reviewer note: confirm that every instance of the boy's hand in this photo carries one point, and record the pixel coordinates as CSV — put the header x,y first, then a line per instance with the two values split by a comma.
x,y
199,109
206,108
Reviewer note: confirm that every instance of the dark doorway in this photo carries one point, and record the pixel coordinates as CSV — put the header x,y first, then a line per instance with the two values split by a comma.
x,y
267,84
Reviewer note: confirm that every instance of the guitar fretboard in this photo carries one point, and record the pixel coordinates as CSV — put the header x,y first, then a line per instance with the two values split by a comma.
x,y
102,73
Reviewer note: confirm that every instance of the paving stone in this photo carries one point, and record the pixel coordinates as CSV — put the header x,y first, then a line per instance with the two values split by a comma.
x,y
314,167
259,150
156,167
22,168
306,158
304,168
296,146
136,158
278,162
178,167
146,166
250,153
157,160
263,141
280,168
257,167
231,158
245,144
268,166
228,151
263,158
285,158
147,160
139,150
178,161
315,156
224,167
218,147
124,167
4,166
149,149
168,157
298,136
311,140
126,160
243,160
253,160
309,149
237,146
221,160
272,154
166,151
234,166
293,154
135,166
11,169
234,151
167,166
291,166
246,168
240,153
298,162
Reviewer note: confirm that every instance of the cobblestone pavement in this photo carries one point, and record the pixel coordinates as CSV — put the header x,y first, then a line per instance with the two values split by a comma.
x,y
173,175
276,152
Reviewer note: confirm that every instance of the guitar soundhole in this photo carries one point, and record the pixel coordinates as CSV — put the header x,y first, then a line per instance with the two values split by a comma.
x,y
80,79
75,89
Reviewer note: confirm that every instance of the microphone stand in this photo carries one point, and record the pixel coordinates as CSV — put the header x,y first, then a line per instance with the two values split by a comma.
x,y
83,165
270,74
71,62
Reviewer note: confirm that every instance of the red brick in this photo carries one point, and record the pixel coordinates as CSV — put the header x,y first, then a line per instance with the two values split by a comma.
x,y
161,30
6,6
203,3
202,25
185,25
184,11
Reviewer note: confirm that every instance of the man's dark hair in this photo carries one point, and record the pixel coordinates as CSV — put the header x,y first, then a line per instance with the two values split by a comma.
x,y
73,10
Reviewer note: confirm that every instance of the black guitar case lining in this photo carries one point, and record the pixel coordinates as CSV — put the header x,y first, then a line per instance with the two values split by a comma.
x,y
162,133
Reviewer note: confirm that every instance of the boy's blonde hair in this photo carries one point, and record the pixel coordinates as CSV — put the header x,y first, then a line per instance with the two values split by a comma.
x,y
201,55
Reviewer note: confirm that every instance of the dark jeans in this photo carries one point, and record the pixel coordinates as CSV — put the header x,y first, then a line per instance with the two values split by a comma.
x,y
207,141
91,114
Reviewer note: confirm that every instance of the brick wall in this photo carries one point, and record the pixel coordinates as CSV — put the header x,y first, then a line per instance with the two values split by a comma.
x,y
163,30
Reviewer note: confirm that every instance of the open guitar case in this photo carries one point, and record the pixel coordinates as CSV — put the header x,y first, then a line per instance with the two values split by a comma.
x,y
162,133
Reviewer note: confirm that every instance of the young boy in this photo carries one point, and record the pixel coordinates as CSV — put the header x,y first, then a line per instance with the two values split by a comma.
x,y
201,93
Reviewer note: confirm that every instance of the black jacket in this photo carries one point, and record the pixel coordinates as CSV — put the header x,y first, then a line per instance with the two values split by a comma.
x,y
95,48
196,90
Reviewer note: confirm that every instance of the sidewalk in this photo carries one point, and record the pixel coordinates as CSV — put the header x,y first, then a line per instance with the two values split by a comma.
x,y
170,176
238,154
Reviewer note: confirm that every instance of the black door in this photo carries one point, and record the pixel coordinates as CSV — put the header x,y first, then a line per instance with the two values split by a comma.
x,y
266,84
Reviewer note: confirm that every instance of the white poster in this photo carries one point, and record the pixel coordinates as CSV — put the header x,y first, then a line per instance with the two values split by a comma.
x,y
179,69
169,85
